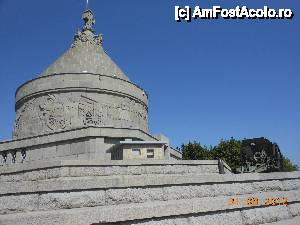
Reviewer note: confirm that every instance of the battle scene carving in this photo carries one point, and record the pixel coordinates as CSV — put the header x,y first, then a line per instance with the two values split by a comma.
x,y
20,124
52,112
57,112
89,113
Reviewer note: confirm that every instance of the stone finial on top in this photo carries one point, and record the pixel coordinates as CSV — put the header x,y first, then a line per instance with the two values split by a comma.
x,y
89,20
87,34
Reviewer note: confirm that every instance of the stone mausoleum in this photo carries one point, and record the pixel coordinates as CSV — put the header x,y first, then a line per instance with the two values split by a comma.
x,y
84,107
82,154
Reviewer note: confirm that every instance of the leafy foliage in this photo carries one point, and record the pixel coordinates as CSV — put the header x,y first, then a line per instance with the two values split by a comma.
x,y
194,151
288,166
227,150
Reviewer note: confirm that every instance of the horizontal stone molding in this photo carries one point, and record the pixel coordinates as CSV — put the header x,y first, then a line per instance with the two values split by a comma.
x,y
73,134
46,170
121,181
72,81
39,166
116,196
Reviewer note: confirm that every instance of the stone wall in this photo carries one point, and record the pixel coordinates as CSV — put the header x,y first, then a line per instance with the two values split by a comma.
x,y
128,152
191,192
78,101
81,143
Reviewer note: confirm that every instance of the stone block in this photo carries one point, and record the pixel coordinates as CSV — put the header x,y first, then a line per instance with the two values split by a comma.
x,y
134,170
229,218
166,221
265,215
291,184
175,169
34,175
293,221
87,171
84,156
69,200
133,195
272,185
22,203
79,147
56,172
34,154
294,209
49,152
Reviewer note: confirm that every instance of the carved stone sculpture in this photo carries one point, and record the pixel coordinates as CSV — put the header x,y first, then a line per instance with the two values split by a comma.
x,y
53,114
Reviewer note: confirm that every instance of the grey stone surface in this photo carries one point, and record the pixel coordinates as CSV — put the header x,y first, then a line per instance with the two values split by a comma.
x,y
98,141
70,200
19,203
233,218
265,215
158,167
294,209
54,111
79,133
146,167
98,190
165,212
76,185
293,221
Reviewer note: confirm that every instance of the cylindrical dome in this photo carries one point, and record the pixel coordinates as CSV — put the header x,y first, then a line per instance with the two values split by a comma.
x,y
83,87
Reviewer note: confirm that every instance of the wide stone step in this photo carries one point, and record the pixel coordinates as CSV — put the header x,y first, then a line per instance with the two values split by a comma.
x,y
208,210
81,168
293,221
77,192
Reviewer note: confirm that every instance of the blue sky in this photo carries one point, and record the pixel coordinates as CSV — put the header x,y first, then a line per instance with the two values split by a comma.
x,y
206,80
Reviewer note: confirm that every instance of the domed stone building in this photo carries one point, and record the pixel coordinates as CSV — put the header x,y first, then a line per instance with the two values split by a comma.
x,y
84,107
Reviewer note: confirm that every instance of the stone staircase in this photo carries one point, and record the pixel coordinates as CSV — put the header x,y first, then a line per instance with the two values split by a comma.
x,y
156,192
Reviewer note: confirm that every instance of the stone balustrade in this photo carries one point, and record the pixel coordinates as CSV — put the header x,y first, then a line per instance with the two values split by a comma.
x,y
12,156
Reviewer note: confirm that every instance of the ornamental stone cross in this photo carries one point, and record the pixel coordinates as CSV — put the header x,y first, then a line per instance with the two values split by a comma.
x,y
89,21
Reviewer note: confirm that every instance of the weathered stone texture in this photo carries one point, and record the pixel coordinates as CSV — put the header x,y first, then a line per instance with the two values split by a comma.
x,y
97,192
265,215
71,200
78,168
67,110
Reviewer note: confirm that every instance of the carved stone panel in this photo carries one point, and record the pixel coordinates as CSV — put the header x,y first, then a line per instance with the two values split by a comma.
x,y
90,114
63,111
52,112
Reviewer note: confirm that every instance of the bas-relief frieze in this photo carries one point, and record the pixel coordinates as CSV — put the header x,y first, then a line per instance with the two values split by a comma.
x,y
89,113
54,113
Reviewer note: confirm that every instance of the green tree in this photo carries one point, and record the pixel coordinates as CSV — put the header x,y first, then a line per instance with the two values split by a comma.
x,y
195,151
228,151
288,166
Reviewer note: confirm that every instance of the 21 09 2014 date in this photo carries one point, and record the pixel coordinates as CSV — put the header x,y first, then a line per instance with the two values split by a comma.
x,y
255,201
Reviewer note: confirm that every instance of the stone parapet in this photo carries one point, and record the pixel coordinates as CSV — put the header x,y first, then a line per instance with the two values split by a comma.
x,y
84,190
81,143
41,170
